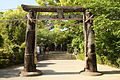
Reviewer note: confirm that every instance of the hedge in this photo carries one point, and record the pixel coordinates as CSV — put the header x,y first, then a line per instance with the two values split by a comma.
x,y
8,59
103,60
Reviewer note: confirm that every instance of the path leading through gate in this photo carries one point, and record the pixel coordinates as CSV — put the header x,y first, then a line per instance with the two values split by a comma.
x,y
60,70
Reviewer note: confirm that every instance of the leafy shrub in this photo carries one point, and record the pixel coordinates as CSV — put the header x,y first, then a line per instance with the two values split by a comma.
x,y
7,59
101,59
12,57
1,41
118,62
69,48
14,48
22,48
4,63
80,56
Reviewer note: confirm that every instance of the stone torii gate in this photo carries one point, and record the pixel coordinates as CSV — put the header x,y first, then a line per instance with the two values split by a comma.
x,y
89,45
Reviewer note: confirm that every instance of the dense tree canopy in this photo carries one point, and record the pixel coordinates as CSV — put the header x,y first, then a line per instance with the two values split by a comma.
x,y
13,31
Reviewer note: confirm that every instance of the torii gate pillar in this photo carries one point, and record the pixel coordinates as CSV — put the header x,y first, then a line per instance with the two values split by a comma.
x,y
29,57
89,46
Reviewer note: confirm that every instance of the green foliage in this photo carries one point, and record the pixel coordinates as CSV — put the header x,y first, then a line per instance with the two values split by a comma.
x,y
80,56
12,36
107,39
12,56
22,48
79,43
104,60
106,26
101,60
14,48
69,48
13,32
54,36
7,59
4,63
1,41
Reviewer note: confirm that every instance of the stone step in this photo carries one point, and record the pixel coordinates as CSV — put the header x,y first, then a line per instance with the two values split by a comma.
x,y
58,56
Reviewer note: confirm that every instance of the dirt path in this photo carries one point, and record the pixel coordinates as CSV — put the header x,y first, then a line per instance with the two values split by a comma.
x,y
61,70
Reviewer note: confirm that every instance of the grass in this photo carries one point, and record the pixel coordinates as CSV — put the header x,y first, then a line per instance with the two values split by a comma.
x,y
80,56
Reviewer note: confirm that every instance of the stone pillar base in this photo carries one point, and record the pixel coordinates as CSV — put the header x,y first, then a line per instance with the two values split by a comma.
x,y
89,73
27,74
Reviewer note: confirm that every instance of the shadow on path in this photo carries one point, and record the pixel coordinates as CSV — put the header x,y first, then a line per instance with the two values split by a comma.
x,y
15,70
10,72
44,64
110,72
52,72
